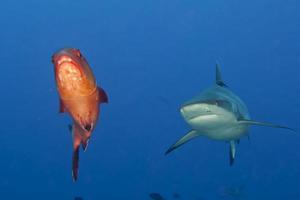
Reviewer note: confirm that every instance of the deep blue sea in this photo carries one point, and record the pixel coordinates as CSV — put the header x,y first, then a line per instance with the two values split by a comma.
x,y
150,56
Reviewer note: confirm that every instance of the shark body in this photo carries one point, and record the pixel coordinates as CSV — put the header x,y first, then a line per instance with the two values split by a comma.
x,y
218,114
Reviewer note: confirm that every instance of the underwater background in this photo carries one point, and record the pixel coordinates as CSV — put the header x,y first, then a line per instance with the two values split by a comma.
x,y
150,56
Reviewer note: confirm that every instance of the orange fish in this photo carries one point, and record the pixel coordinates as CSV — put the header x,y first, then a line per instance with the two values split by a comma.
x,y
79,96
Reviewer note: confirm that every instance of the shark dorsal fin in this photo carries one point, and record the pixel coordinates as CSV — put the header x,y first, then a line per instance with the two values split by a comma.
x,y
219,80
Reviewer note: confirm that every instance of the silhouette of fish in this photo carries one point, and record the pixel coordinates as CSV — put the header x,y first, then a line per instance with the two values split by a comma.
x,y
156,196
236,192
176,196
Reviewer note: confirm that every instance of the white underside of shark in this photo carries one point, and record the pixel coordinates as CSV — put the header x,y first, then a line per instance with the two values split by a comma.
x,y
218,114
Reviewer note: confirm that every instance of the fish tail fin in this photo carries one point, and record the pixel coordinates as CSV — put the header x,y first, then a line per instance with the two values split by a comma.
x,y
75,164
75,159
79,138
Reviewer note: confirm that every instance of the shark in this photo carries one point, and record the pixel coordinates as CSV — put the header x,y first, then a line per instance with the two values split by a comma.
x,y
218,114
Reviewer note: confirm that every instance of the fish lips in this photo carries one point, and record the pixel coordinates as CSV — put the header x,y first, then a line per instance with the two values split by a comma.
x,y
69,55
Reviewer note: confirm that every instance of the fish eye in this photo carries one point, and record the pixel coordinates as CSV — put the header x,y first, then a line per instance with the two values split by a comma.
x,y
77,53
52,59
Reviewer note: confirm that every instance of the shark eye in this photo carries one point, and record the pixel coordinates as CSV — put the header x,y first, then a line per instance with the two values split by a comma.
x,y
224,104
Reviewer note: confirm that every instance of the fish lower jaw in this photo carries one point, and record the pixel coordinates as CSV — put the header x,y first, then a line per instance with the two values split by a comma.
x,y
225,133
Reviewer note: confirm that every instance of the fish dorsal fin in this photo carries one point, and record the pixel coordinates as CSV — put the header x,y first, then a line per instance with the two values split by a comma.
x,y
219,80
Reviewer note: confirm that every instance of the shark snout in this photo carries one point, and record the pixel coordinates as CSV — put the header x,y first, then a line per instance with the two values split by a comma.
x,y
191,111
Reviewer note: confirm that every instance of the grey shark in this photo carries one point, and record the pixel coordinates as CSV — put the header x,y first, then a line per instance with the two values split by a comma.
x,y
218,114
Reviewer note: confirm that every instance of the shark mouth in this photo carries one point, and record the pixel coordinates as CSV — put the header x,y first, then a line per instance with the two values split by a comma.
x,y
204,116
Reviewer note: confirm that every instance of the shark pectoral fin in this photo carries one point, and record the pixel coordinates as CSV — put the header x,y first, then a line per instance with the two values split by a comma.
x,y
231,152
190,135
251,122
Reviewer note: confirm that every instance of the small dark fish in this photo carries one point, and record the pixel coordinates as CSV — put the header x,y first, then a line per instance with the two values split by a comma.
x,y
156,196
78,198
176,196
235,192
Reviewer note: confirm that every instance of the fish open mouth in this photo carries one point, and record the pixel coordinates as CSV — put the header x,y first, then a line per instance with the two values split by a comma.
x,y
68,71
63,59
188,114
204,116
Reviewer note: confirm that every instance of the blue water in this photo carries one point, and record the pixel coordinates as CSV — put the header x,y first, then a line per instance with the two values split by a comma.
x,y
150,56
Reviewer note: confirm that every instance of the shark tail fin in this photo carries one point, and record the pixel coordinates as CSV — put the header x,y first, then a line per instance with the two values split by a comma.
x,y
189,136
251,122
231,152
219,80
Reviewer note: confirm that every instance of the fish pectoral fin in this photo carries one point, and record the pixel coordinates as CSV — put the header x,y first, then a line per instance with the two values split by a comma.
x,y
62,107
231,152
70,127
189,136
102,95
251,122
